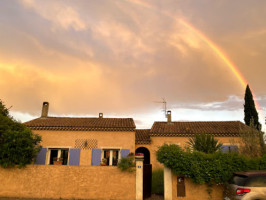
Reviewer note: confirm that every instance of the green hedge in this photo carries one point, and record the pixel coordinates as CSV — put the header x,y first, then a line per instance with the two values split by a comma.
x,y
203,168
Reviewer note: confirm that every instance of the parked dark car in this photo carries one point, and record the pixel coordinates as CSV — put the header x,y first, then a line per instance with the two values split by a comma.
x,y
246,186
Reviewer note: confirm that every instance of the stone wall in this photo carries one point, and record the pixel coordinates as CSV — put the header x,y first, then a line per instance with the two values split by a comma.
x,y
70,182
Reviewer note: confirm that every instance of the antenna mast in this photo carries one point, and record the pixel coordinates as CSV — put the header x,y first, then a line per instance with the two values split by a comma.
x,y
164,106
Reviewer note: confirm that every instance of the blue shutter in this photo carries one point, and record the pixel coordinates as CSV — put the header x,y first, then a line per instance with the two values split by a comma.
x,y
41,157
74,157
225,148
124,153
96,157
229,148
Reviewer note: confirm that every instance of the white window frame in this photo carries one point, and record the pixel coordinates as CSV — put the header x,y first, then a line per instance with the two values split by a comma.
x,y
111,149
169,143
59,148
236,144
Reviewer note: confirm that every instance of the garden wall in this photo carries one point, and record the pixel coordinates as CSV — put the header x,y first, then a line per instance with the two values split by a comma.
x,y
195,191
70,182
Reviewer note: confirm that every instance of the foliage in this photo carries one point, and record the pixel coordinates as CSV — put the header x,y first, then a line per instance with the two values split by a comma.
x,y
3,110
126,164
252,143
18,145
104,161
250,110
204,143
158,182
216,168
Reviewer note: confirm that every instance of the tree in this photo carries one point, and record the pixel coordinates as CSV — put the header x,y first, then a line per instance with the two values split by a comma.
x,y
18,145
204,143
250,110
252,143
3,110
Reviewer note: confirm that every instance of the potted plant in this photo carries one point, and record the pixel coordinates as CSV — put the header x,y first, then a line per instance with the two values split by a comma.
x,y
139,155
104,162
57,161
131,154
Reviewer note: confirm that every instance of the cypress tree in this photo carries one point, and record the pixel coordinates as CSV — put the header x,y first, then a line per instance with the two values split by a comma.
x,y
250,111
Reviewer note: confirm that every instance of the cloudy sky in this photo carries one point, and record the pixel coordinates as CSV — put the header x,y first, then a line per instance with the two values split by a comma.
x,y
120,57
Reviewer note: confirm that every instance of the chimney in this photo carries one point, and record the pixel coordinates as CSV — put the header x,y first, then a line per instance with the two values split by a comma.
x,y
169,116
45,108
100,115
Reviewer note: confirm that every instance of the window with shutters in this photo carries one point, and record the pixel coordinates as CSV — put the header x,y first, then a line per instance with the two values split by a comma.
x,y
58,156
110,156
229,148
107,156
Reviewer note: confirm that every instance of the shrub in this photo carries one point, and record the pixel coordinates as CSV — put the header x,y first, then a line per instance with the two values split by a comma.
x,y
252,143
18,145
204,143
157,182
126,164
216,168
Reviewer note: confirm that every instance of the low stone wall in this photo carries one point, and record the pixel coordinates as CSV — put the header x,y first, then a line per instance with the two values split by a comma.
x,y
196,191
70,182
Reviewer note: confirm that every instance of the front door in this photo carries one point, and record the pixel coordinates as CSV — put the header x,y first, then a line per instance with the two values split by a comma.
x,y
147,178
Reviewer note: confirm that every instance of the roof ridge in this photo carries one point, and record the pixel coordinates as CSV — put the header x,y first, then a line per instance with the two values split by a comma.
x,y
86,117
197,121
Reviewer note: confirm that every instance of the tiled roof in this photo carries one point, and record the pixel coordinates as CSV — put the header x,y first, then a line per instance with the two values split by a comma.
x,y
187,129
142,136
82,124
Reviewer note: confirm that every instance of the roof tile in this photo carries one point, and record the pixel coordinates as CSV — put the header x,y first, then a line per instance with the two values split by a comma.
x,y
142,136
82,124
187,129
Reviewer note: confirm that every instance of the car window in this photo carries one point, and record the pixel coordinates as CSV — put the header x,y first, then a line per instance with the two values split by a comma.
x,y
257,181
238,180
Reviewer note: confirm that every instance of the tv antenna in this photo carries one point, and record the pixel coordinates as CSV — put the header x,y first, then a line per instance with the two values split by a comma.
x,y
164,106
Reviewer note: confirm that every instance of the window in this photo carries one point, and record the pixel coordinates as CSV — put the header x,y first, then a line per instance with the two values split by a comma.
x,y
58,156
238,180
110,156
229,148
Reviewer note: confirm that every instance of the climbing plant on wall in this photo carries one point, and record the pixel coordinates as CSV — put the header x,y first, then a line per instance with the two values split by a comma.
x,y
204,168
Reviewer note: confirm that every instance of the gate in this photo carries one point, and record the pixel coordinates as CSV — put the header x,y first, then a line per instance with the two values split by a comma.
x,y
147,177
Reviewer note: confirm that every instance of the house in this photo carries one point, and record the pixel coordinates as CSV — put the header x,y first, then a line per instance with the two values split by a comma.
x,y
83,141
149,140
81,145
87,141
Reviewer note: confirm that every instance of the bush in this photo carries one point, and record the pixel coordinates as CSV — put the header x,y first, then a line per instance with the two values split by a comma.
x,y
216,168
157,182
252,143
204,143
18,145
126,164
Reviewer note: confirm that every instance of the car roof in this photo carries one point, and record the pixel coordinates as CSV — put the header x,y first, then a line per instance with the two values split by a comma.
x,y
251,173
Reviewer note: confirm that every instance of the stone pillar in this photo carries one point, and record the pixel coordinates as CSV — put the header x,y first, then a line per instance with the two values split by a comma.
x,y
139,177
168,184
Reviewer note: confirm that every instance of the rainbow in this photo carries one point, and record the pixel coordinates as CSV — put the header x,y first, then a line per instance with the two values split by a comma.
x,y
225,59
210,43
